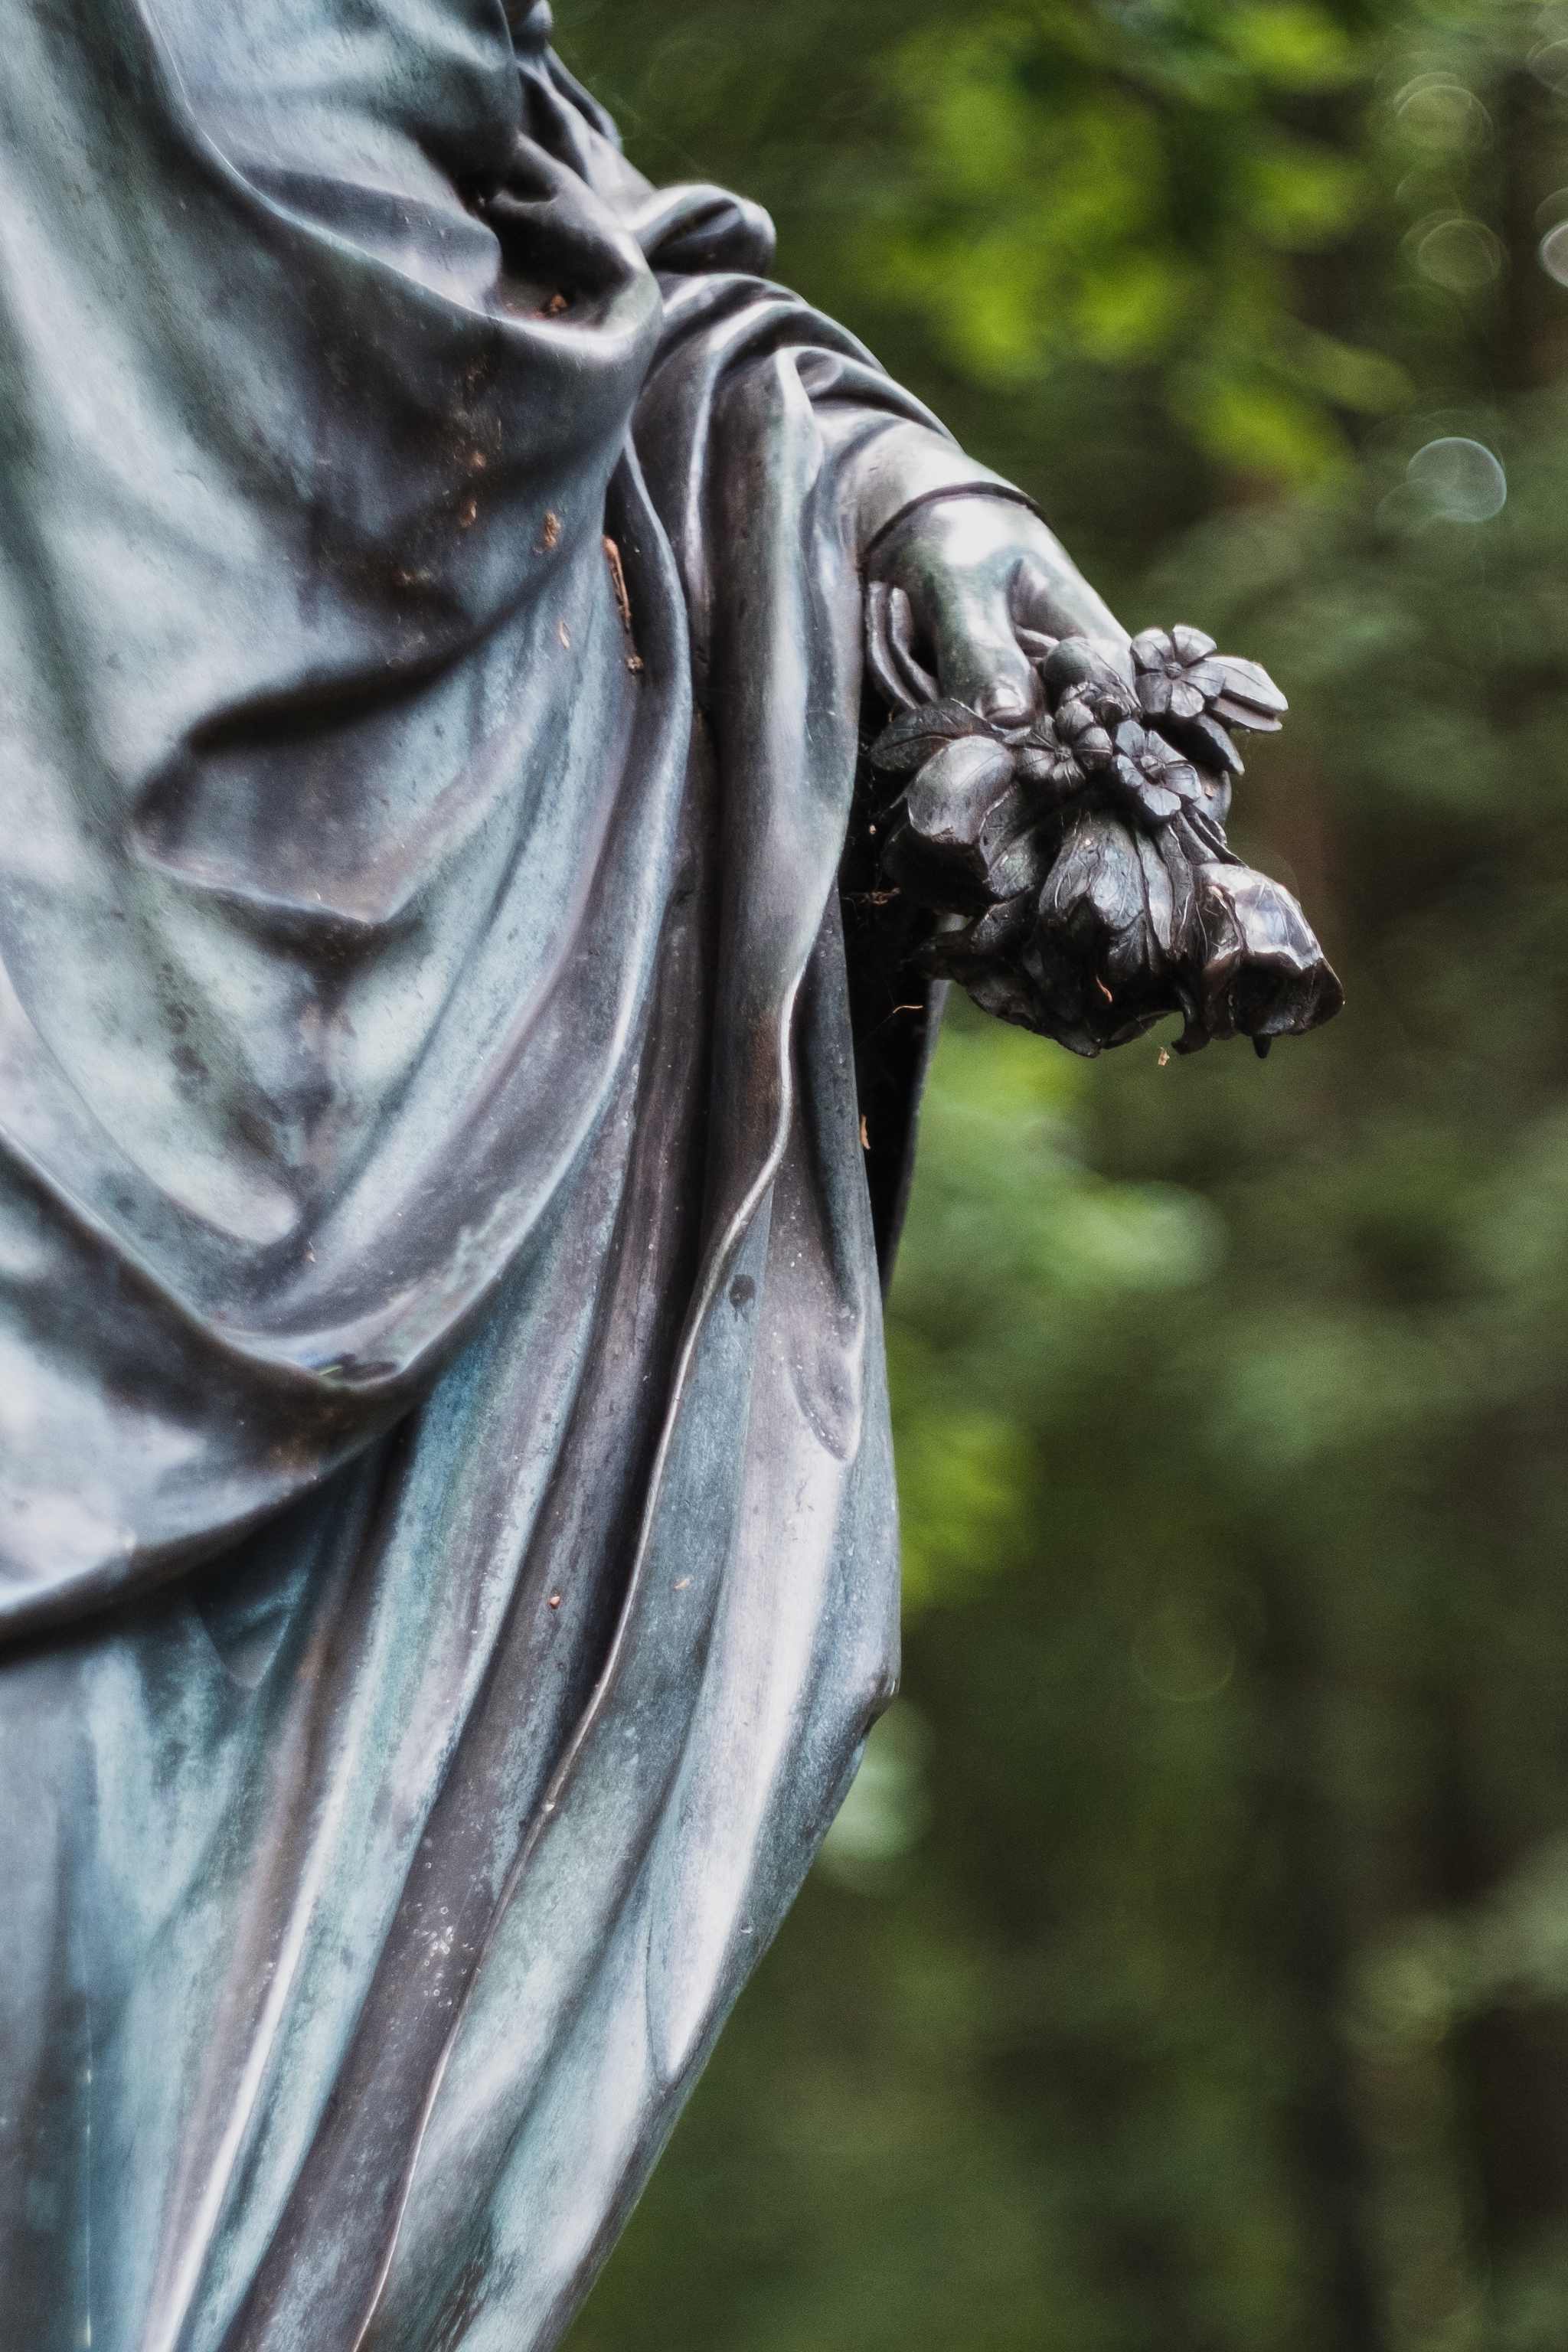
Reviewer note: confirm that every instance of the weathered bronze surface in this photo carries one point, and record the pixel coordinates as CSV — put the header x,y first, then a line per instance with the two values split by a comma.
x,y
448,1553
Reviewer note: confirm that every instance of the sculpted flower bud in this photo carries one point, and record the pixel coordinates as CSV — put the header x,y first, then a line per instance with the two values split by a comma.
x,y
1067,666
1248,697
1263,974
940,854
1110,889
958,787
1098,961
1074,671
993,940
1111,699
1022,864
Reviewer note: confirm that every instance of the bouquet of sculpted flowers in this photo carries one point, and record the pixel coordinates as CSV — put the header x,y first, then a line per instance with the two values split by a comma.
x,y
1076,864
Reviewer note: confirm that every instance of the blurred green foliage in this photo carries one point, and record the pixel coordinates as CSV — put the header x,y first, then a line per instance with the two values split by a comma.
x,y
1189,1970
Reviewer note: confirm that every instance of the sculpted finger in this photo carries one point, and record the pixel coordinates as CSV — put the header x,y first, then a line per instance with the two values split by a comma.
x,y
878,652
890,657
1053,599
978,659
917,678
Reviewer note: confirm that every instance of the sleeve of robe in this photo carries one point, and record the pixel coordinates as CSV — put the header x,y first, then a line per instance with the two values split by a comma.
x,y
448,1540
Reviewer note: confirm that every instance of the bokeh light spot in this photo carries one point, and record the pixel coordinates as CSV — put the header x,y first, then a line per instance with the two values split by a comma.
x,y
1440,114
1185,1651
1459,479
1549,64
1460,255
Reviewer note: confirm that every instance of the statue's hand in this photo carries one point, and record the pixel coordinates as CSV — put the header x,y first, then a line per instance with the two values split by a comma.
x,y
1063,808
975,571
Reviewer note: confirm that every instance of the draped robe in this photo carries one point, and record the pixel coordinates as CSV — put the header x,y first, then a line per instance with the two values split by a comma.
x,y
447,1546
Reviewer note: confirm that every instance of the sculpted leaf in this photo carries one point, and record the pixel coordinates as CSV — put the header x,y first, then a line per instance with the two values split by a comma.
x,y
914,736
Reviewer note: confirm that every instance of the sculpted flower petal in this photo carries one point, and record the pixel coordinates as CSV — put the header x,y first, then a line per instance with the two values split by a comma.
x,y
1050,768
1210,742
1022,866
1158,801
1249,682
1245,714
1190,644
1091,742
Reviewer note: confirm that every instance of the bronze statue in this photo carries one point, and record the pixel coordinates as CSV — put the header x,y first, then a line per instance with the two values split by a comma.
x,y
448,1549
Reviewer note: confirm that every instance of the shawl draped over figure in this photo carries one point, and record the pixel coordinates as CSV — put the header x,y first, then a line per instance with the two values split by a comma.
x,y
447,1545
